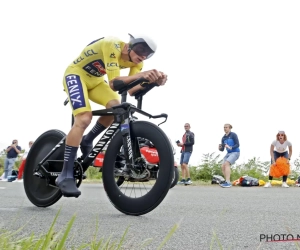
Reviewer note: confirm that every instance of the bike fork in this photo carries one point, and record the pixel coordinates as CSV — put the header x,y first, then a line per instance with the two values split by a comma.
x,y
130,151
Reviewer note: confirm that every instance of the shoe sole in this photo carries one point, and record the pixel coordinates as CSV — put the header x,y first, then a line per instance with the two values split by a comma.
x,y
71,195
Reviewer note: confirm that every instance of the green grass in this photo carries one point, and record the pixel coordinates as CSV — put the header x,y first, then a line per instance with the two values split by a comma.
x,y
53,240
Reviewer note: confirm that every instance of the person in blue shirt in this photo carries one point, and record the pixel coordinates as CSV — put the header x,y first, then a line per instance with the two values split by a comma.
x,y
231,142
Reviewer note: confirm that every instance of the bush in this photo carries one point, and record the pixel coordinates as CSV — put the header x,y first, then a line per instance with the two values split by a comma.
x,y
211,165
93,173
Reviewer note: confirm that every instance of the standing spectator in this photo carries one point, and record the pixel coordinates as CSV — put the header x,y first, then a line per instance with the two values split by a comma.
x,y
229,141
23,161
279,149
186,145
12,152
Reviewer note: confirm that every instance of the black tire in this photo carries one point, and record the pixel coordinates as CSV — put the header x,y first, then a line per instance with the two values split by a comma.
x,y
148,202
176,177
37,190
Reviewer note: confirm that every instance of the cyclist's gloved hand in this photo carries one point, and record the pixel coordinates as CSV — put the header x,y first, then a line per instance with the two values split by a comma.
x,y
151,75
162,80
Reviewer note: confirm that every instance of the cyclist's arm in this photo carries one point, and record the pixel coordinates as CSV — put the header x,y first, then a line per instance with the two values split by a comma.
x,y
134,74
134,71
126,79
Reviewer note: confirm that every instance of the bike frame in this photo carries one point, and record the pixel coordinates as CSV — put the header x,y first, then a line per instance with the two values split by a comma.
x,y
122,120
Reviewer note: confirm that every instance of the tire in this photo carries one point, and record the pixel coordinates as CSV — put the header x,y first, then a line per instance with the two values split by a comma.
x,y
36,189
176,177
149,201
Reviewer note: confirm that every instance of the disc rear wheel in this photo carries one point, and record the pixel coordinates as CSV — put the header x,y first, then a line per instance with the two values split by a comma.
x,y
37,189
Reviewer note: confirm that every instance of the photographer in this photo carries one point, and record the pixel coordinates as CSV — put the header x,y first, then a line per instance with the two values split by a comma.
x,y
12,152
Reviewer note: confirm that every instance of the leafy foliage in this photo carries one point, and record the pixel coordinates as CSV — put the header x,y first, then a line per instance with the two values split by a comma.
x,y
211,165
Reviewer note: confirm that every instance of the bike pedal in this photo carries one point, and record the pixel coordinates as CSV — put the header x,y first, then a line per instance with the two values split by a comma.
x,y
38,174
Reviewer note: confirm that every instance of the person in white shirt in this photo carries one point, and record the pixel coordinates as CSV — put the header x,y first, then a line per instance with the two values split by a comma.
x,y
281,147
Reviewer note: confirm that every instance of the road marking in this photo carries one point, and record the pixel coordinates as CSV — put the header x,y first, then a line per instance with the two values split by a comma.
x,y
8,209
2,187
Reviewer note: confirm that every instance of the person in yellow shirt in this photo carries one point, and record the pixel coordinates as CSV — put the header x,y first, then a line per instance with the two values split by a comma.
x,y
84,80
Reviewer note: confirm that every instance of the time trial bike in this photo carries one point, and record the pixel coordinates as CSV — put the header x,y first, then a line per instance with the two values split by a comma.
x,y
45,160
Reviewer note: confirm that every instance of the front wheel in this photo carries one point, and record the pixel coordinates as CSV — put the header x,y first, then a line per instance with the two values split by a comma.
x,y
140,197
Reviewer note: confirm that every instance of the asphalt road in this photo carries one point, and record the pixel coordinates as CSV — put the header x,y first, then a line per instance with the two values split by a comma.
x,y
208,217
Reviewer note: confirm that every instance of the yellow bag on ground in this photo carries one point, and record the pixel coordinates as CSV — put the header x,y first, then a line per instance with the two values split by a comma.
x,y
288,181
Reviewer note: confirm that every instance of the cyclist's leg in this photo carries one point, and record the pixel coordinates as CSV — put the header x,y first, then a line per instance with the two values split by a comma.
x,y
105,96
77,92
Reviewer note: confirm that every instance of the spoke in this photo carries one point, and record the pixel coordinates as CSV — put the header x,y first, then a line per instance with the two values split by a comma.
x,y
137,189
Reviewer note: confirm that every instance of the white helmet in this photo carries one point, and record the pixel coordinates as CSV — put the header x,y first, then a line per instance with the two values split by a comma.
x,y
142,45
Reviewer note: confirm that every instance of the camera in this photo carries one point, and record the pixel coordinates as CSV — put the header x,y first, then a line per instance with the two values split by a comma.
x,y
177,141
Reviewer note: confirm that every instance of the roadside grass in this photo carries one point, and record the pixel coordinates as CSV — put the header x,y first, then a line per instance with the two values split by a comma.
x,y
53,240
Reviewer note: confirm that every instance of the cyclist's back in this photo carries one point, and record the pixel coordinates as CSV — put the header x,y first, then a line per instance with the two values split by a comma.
x,y
101,57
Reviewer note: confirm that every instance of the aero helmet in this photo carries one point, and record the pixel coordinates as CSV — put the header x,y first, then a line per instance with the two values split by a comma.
x,y
142,45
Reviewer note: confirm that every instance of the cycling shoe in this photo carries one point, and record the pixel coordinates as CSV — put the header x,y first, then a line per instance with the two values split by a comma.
x,y
68,187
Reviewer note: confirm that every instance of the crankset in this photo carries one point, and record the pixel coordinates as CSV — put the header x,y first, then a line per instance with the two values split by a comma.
x,y
44,173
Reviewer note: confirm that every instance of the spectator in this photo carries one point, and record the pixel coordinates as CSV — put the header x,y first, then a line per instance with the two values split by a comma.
x,y
23,161
229,141
12,152
186,145
279,149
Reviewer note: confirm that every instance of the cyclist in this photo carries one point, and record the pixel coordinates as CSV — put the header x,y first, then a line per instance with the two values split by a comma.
x,y
83,81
